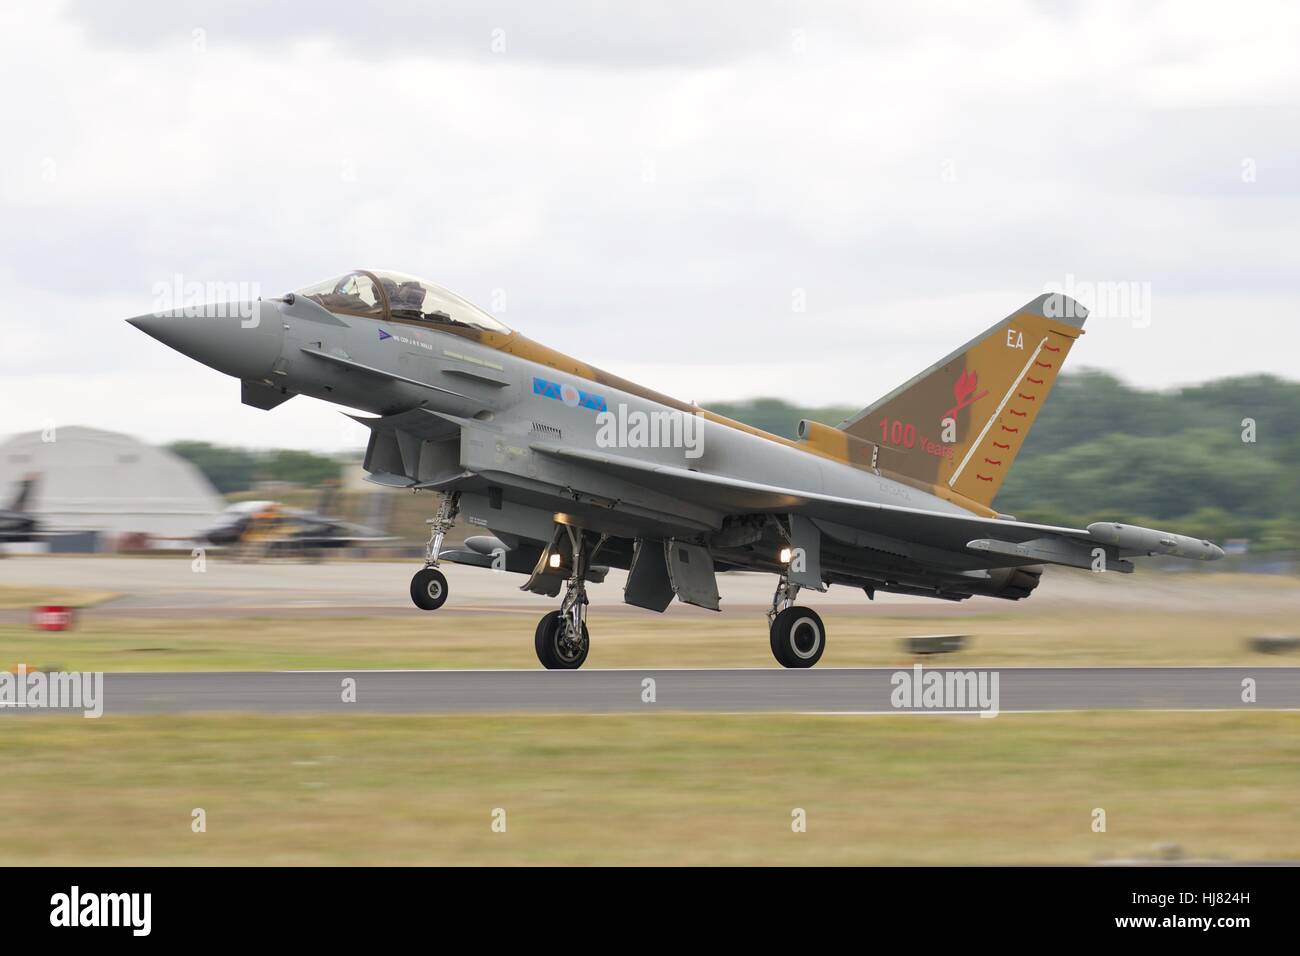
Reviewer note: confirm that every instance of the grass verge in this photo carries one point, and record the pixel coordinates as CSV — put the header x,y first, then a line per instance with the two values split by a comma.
x,y
652,789
1122,637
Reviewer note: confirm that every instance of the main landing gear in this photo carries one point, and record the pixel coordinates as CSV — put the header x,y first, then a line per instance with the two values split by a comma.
x,y
429,585
562,639
797,634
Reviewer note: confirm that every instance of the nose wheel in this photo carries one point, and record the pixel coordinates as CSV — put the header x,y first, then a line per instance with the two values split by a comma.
x,y
429,589
429,585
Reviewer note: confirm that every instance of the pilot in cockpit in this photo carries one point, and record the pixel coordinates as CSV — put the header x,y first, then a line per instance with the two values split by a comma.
x,y
407,297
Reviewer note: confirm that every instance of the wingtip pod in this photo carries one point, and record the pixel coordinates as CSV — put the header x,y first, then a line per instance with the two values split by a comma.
x,y
1133,539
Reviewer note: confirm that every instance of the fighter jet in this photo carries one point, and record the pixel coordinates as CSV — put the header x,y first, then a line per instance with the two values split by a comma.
x,y
562,464
258,529
17,524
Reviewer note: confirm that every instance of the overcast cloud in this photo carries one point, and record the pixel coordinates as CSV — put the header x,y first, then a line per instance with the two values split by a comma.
x,y
655,188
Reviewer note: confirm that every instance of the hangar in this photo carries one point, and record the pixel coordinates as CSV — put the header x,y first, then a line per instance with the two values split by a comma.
x,y
88,479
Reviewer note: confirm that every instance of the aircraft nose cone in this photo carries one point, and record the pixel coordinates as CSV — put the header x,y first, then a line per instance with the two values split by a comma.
x,y
153,324
230,337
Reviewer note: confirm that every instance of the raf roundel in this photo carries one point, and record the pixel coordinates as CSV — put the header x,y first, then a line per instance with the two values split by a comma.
x,y
570,395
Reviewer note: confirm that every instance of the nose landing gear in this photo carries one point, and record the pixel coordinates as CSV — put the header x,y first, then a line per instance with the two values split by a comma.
x,y
429,585
562,640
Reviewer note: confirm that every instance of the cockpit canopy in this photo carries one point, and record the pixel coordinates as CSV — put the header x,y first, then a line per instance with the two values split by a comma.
x,y
394,296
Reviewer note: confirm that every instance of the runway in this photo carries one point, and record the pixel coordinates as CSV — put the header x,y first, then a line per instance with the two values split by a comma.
x,y
171,586
176,587
758,690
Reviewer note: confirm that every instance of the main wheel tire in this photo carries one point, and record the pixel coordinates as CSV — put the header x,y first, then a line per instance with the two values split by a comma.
x,y
429,589
798,637
555,653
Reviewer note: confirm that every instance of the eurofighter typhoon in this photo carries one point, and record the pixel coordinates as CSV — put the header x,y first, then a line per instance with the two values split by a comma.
x,y
570,470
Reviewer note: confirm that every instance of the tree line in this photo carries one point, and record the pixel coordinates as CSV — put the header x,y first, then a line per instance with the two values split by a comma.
x,y
1218,460
233,469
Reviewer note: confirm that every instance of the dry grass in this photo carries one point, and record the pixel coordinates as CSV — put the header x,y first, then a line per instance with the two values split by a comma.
x,y
648,789
22,598
461,639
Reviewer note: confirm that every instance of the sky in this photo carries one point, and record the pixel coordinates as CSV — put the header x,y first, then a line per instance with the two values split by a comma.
x,y
720,201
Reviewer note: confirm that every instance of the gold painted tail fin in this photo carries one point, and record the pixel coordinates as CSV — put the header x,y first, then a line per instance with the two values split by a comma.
x,y
956,428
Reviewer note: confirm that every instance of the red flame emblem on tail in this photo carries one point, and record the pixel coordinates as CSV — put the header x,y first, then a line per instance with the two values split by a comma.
x,y
963,390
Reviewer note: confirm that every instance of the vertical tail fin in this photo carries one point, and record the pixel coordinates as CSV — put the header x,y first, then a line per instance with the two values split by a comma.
x,y
957,427
24,494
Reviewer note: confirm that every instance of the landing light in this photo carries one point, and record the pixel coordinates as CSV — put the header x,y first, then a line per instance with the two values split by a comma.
x,y
785,555
554,561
